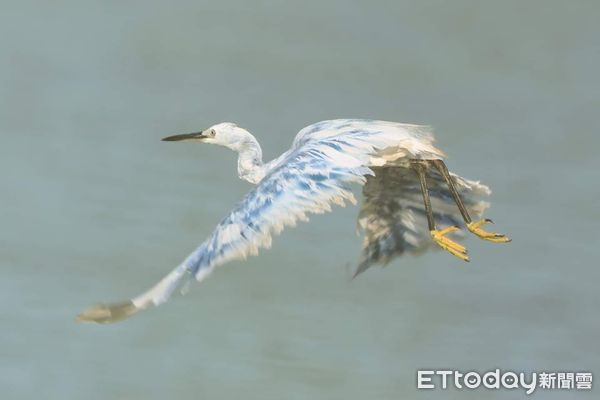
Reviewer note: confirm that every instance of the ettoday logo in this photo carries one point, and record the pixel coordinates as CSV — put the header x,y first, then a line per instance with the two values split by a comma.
x,y
497,379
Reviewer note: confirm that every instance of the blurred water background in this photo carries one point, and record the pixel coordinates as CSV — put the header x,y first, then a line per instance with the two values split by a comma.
x,y
95,207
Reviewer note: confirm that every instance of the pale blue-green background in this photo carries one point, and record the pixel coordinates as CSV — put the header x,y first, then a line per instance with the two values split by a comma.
x,y
94,207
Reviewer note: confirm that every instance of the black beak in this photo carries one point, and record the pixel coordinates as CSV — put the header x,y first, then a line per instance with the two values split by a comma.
x,y
185,136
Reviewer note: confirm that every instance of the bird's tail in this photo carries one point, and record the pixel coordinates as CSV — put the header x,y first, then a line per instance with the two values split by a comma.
x,y
158,294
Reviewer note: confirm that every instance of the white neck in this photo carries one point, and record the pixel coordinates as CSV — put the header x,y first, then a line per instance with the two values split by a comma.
x,y
250,164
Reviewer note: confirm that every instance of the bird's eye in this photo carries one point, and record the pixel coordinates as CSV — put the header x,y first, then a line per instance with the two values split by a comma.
x,y
212,133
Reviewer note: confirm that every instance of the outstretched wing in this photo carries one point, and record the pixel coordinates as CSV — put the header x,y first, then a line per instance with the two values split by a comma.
x,y
324,160
308,179
393,216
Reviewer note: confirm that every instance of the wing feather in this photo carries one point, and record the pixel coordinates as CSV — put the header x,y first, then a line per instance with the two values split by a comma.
x,y
393,218
325,159
308,180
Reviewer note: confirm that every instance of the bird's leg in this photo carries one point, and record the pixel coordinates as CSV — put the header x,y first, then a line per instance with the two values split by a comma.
x,y
438,236
473,226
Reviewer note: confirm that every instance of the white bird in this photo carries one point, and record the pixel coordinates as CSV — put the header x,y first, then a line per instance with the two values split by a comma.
x,y
407,192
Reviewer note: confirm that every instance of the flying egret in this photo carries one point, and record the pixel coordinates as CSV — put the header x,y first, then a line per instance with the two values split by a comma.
x,y
408,192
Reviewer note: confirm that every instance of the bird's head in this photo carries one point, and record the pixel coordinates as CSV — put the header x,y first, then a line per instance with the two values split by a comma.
x,y
225,134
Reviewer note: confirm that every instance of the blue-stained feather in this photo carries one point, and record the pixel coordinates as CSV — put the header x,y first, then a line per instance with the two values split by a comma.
x,y
289,190
318,170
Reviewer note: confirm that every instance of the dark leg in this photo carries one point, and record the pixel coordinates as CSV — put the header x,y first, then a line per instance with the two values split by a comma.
x,y
474,227
420,167
439,164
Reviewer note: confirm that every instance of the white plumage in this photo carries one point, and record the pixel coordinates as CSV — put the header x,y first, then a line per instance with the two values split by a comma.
x,y
325,159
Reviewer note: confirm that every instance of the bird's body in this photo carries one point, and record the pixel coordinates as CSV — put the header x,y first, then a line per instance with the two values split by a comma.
x,y
389,159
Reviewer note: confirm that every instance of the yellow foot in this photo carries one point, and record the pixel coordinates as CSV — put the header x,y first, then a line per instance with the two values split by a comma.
x,y
452,247
490,236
